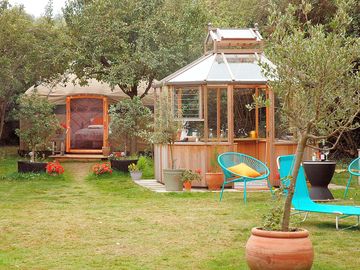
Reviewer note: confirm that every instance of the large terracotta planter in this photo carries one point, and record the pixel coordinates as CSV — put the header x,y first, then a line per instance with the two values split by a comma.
x,y
172,180
214,181
273,250
31,167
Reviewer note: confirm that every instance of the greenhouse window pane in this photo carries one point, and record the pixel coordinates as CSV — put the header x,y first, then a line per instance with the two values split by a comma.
x,y
219,71
244,119
187,103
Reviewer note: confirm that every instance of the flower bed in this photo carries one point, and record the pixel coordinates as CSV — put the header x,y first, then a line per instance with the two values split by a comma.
x,y
100,169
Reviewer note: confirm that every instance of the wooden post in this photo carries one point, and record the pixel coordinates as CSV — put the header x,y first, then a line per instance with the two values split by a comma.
x,y
271,135
359,164
106,121
230,107
218,100
257,124
68,130
206,124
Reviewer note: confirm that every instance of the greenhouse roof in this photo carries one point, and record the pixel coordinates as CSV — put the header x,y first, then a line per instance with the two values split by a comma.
x,y
219,68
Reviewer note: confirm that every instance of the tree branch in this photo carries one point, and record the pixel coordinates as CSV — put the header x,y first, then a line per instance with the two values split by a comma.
x,y
151,79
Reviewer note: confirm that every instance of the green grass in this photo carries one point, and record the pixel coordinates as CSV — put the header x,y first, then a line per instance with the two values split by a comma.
x,y
109,222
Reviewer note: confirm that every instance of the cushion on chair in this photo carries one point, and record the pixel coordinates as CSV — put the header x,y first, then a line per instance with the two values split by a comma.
x,y
244,170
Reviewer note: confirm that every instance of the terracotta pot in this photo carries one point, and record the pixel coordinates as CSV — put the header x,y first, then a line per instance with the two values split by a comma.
x,y
187,185
105,150
214,180
270,250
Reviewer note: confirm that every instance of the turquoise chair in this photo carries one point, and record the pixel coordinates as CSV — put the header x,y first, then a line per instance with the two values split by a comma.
x,y
354,170
301,200
230,159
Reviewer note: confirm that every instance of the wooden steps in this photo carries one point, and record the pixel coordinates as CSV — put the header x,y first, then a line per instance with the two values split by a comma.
x,y
79,157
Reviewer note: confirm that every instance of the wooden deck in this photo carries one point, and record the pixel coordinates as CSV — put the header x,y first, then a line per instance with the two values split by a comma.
x,y
79,157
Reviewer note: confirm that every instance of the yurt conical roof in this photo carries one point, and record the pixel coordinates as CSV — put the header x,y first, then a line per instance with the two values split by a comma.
x,y
57,94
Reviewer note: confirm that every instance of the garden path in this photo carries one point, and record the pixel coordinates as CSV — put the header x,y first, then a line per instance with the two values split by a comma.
x,y
78,170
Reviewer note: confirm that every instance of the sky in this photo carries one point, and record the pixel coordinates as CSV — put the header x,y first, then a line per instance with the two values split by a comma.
x,y
37,7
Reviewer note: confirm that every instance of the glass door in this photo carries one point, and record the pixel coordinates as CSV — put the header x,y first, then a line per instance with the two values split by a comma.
x,y
85,117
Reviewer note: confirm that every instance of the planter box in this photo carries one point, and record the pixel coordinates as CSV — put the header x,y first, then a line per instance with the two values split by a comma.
x,y
122,165
31,167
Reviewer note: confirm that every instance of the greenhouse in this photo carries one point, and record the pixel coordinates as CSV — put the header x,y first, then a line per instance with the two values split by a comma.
x,y
215,95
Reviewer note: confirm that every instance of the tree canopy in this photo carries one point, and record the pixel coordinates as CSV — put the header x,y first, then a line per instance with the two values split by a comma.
x,y
125,42
32,51
315,77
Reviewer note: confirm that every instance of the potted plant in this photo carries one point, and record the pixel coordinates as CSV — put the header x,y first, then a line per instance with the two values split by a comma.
x,y
214,177
188,176
314,110
39,125
137,169
164,130
135,173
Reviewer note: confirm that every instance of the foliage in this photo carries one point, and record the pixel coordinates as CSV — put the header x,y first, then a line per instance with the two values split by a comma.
x,y
101,169
133,168
32,51
142,163
314,78
272,218
165,127
39,123
129,117
54,168
126,42
189,175
214,165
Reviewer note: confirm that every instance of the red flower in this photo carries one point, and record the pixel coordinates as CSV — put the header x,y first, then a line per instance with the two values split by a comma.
x,y
99,169
198,171
54,168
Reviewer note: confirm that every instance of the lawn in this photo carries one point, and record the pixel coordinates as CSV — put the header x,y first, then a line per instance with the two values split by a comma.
x,y
79,221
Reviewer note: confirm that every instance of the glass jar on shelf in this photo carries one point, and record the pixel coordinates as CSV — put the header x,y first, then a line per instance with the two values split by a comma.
x,y
211,134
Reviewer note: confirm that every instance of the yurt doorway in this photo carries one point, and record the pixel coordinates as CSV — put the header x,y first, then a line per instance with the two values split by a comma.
x,y
87,122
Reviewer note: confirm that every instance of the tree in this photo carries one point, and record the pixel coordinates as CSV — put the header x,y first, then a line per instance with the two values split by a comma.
x,y
314,78
39,121
32,51
166,126
129,117
124,42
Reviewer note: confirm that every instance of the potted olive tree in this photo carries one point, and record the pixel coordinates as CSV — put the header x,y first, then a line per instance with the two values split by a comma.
x,y
39,125
128,119
165,131
317,83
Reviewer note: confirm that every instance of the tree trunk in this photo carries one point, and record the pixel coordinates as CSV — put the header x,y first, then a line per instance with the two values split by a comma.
x,y
172,157
2,117
298,158
33,150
